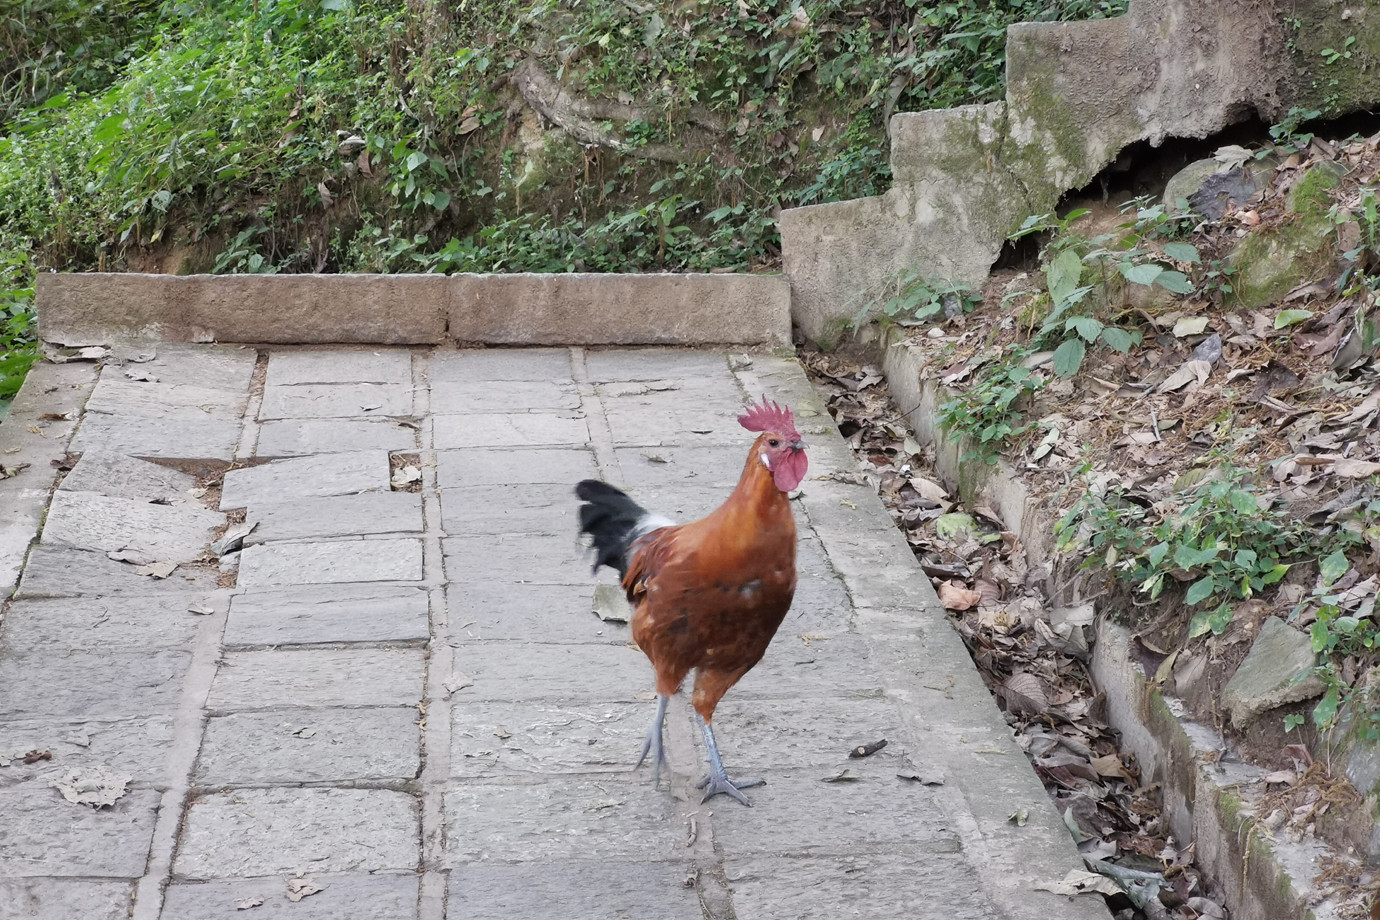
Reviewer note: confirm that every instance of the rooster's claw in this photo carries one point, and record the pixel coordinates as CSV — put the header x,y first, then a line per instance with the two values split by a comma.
x,y
713,785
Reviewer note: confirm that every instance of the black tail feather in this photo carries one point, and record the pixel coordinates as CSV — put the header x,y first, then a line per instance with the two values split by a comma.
x,y
612,520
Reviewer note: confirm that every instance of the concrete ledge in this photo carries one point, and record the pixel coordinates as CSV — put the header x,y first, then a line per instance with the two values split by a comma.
x,y
98,308
525,309
595,309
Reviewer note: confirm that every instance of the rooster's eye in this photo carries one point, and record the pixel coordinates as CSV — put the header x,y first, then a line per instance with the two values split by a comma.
x,y
773,443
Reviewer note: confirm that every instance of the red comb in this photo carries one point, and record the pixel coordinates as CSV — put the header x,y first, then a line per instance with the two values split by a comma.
x,y
769,416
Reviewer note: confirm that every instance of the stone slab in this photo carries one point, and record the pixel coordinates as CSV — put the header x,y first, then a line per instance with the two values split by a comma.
x,y
306,477
272,564
138,747
765,737
552,559
527,508
860,818
170,439
57,626
168,533
336,365
562,818
93,685
336,400
565,889
511,671
1277,670
337,516
464,468
379,896
317,678
96,308
268,831
125,477
295,615
530,613
45,835
831,665
915,885
499,364
454,397
221,367
300,437
706,467
60,571
547,738
632,309
605,365
310,745
64,899
486,429
120,396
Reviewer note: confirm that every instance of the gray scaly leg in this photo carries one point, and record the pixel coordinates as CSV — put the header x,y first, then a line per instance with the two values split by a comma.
x,y
653,740
717,782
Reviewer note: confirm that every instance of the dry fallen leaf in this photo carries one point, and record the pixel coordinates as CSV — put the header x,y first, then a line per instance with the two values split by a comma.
x,y
1348,468
1190,372
157,569
247,903
957,598
97,786
1080,881
406,476
299,888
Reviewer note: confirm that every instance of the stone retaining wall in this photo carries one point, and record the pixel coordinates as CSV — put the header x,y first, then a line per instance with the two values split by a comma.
x,y
520,309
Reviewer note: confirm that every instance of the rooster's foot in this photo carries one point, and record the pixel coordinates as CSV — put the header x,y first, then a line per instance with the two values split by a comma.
x,y
653,744
722,785
717,782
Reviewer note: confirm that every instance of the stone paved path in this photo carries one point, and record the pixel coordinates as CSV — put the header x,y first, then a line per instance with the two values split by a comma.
x,y
404,699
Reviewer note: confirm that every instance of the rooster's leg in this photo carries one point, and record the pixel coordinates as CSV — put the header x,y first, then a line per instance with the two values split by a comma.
x,y
717,782
653,740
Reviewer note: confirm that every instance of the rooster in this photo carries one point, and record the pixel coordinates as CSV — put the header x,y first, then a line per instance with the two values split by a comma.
x,y
708,595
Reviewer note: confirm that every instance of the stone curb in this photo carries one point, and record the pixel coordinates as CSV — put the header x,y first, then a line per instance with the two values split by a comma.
x,y
34,435
519,309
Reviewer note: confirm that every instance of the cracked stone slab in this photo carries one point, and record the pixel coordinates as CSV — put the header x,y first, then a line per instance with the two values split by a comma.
x,y
269,564
770,736
336,400
171,438
293,368
554,559
512,671
126,477
64,899
60,571
454,397
306,477
654,364
222,367
269,831
138,747
530,613
57,626
498,738
559,889
168,533
318,678
337,516
528,508
297,615
310,745
489,429
711,467
378,896
562,818
95,685
859,820
138,399
301,437
500,364
48,836
464,468
917,885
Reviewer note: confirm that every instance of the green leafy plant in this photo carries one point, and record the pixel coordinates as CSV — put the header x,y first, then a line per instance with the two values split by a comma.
x,y
989,411
914,298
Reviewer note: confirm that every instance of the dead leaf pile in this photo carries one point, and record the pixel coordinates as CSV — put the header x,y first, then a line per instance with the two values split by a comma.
x,y
1034,669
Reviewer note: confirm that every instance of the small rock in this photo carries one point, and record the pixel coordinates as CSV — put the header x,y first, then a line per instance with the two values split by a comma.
x,y
1277,670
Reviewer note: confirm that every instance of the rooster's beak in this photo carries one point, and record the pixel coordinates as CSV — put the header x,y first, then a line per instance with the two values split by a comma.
x,y
797,444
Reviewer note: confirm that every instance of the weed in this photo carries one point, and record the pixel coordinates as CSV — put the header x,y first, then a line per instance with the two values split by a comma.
x,y
988,412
